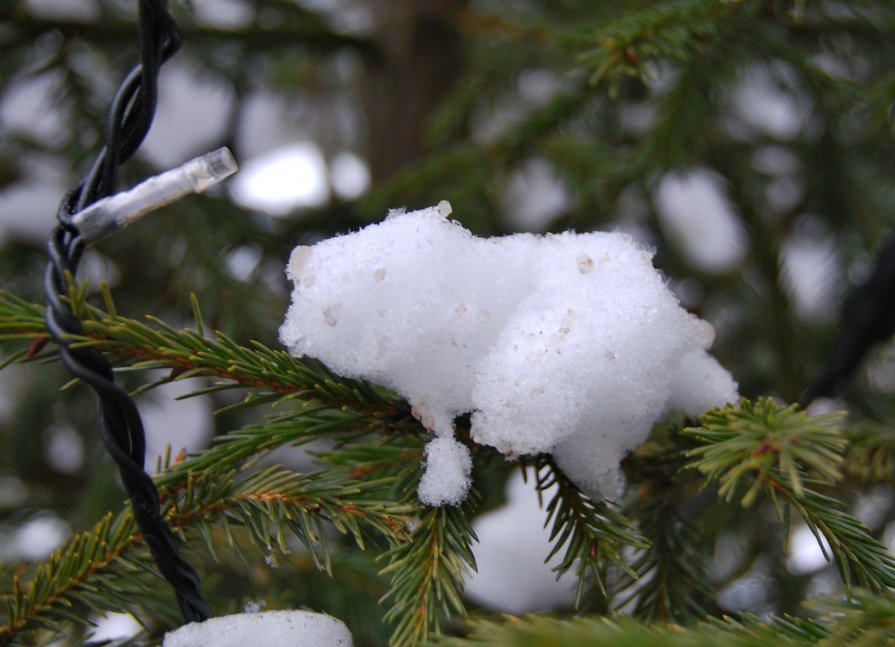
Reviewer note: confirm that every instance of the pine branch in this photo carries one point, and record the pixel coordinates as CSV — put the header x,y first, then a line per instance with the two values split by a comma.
x,y
675,31
671,573
94,566
592,533
857,620
394,455
246,445
305,30
270,374
626,632
870,458
427,571
781,454
428,568
670,576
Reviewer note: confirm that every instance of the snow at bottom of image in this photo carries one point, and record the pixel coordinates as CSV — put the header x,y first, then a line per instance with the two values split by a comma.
x,y
268,628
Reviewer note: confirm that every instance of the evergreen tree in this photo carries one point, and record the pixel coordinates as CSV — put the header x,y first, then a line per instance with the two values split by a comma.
x,y
781,110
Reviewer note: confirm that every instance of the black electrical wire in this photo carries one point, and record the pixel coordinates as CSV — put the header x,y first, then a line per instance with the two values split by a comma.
x,y
120,426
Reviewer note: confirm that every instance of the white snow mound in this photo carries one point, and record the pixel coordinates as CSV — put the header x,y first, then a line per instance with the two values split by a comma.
x,y
570,344
269,628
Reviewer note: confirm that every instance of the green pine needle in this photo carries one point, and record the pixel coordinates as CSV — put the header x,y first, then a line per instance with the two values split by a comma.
x,y
764,450
108,567
591,533
427,571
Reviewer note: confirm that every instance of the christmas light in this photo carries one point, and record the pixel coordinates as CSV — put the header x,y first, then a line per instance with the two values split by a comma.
x,y
116,212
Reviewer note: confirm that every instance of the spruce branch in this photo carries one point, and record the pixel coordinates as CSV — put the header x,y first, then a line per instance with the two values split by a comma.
x,y
427,571
676,31
592,533
428,567
305,29
271,375
625,632
858,619
671,573
870,458
246,445
99,567
392,455
782,454
748,442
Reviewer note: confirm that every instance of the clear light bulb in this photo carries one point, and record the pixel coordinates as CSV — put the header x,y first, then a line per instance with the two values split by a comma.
x,y
116,212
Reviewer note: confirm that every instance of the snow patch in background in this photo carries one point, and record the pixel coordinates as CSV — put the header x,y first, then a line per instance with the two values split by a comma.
x,y
870,507
880,367
85,10
113,626
226,14
30,106
783,194
513,544
265,124
804,555
750,592
775,160
241,262
191,117
34,540
283,180
347,16
811,268
696,216
534,197
349,175
763,101
28,207
63,448
534,89
182,424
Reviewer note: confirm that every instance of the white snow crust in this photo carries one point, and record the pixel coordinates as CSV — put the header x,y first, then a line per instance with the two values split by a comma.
x,y
269,628
570,344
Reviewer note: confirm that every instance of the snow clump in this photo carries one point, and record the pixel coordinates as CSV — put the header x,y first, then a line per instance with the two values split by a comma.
x,y
269,628
570,344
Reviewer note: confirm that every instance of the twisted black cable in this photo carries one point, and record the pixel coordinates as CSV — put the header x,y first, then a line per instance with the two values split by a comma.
x,y
120,426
